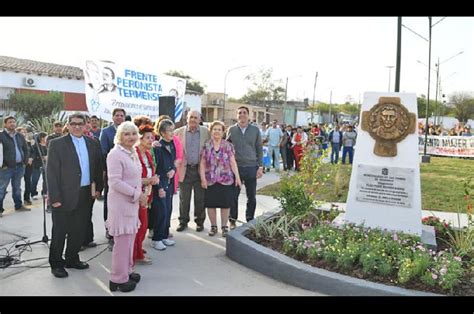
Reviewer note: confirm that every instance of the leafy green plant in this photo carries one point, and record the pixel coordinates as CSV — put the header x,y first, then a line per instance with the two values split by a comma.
x,y
293,198
311,175
462,242
33,105
45,124
442,228
274,226
468,185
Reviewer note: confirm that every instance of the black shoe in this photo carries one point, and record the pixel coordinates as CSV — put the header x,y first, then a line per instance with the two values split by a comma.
x,y
78,265
181,227
199,228
59,272
23,209
124,287
27,202
135,277
232,225
91,244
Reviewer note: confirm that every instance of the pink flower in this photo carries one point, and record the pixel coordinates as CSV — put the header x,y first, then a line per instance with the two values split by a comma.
x,y
305,226
457,258
443,271
434,276
308,244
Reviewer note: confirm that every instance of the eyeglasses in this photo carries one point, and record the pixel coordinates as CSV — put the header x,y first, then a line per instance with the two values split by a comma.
x,y
74,124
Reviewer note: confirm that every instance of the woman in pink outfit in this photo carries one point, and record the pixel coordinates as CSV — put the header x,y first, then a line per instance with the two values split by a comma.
x,y
124,197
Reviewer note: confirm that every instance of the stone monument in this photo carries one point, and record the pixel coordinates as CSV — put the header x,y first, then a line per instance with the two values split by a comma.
x,y
384,190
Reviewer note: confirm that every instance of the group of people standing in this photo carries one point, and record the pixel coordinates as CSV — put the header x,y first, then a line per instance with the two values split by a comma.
x,y
138,166
290,143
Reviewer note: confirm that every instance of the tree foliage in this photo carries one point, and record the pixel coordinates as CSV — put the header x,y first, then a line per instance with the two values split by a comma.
x,y
264,87
436,108
352,109
463,105
191,83
33,105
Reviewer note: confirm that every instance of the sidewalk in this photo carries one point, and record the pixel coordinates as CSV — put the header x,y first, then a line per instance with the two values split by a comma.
x,y
196,265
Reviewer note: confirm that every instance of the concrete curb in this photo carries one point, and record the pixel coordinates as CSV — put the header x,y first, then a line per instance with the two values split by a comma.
x,y
283,268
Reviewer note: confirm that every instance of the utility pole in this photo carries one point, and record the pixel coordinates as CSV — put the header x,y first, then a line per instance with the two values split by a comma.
x,y
399,55
330,102
389,75
436,97
426,158
314,93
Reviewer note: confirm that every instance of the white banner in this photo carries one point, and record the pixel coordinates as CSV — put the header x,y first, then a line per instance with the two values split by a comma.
x,y
137,91
459,146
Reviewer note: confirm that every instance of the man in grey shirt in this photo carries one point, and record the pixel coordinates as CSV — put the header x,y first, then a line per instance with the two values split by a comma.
x,y
349,141
247,143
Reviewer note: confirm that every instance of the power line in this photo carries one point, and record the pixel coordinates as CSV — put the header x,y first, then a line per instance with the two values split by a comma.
x,y
438,21
414,32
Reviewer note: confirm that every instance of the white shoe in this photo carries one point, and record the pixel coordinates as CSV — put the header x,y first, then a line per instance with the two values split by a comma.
x,y
35,197
168,242
158,245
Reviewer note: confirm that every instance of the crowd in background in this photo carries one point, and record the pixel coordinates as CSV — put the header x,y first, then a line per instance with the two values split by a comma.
x,y
459,129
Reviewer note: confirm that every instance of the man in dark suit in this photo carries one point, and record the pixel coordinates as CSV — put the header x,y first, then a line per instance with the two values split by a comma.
x,y
288,135
107,136
74,166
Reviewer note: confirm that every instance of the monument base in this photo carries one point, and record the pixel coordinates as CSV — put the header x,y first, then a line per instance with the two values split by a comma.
x,y
428,236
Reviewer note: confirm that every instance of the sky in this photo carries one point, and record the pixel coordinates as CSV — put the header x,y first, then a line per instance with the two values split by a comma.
x,y
350,54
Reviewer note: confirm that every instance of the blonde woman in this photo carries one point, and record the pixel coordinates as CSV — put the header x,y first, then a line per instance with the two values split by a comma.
x,y
124,197
218,172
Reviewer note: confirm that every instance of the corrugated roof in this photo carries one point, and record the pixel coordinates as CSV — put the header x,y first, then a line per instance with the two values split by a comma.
x,y
40,68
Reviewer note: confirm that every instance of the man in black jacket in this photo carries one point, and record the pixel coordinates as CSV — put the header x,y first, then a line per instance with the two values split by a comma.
x,y
15,157
74,167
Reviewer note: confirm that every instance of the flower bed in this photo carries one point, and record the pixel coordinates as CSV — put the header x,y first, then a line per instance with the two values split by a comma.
x,y
390,258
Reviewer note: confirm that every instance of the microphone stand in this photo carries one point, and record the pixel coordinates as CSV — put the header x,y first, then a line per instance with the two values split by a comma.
x,y
45,238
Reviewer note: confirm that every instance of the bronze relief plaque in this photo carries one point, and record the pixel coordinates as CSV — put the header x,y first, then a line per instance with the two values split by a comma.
x,y
388,123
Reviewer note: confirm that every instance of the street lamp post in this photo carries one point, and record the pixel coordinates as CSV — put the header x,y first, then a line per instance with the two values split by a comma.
x,y
330,104
438,82
314,93
426,158
286,95
225,86
390,67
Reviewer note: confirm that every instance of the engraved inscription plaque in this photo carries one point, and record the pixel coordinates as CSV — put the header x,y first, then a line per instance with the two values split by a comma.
x,y
391,186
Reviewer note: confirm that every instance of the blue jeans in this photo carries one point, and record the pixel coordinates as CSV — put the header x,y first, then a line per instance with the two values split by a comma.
x,y
335,152
345,150
248,176
275,152
15,175
35,175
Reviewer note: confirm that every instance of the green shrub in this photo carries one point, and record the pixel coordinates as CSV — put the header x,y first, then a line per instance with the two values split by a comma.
x,y
293,197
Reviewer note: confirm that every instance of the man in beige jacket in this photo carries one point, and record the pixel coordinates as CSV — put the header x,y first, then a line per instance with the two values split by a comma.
x,y
192,137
